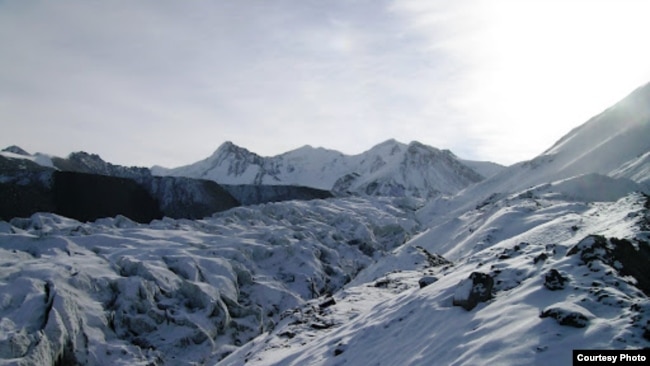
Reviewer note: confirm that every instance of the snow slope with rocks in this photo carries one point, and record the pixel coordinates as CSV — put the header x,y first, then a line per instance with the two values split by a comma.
x,y
555,280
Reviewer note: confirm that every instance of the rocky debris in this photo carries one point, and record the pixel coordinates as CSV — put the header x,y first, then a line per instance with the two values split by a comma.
x,y
508,253
553,280
427,280
434,260
327,303
572,315
477,288
540,258
628,258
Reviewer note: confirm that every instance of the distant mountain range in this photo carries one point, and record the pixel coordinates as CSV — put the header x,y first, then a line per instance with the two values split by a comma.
x,y
233,175
388,169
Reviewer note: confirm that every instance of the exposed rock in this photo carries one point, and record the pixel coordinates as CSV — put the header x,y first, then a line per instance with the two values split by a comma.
x,y
630,259
573,315
540,258
477,288
16,165
180,197
553,280
327,303
250,194
93,189
16,150
434,260
82,162
427,280
87,197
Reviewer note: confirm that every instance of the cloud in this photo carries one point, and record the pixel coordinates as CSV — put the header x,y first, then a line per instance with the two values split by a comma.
x,y
166,82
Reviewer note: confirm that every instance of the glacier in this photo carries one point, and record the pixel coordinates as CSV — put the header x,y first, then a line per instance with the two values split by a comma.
x,y
421,258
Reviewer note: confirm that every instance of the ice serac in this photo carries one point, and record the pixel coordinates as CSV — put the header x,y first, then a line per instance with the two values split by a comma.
x,y
390,168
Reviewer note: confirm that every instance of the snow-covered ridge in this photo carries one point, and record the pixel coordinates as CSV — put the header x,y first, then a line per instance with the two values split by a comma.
x,y
614,143
390,168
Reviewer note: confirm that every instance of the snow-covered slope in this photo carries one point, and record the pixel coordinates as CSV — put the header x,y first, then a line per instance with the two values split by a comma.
x,y
390,168
556,276
614,143
484,168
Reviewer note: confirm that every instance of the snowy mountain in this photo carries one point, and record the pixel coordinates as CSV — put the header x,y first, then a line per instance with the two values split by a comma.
x,y
388,169
614,143
521,268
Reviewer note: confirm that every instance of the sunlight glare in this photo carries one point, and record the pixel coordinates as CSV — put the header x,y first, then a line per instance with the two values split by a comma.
x,y
572,58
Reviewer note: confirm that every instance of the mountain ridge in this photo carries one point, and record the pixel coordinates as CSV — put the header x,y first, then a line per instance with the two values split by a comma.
x,y
388,168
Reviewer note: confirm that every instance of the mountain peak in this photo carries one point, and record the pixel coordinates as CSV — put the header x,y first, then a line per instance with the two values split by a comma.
x,y
16,150
229,147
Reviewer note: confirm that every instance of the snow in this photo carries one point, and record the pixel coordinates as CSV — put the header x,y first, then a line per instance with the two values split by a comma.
x,y
172,290
393,322
637,169
563,241
484,168
389,168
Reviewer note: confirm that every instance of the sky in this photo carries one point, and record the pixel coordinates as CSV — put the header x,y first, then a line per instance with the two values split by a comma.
x,y
166,82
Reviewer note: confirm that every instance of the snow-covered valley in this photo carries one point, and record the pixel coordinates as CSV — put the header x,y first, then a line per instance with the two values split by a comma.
x,y
420,258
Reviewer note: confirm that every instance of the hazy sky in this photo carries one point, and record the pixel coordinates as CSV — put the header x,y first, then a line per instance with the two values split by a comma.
x,y
166,82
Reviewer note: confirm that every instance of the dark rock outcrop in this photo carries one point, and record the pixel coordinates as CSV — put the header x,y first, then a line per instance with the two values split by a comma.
x,y
566,316
252,194
477,288
426,281
189,198
87,197
553,280
85,188
621,254
24,193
